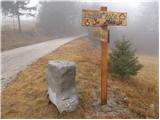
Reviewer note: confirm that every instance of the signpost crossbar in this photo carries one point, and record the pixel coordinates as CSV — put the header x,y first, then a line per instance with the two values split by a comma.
x,y
103,18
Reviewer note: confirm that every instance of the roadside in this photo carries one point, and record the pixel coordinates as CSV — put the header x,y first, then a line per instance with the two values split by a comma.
x,y
17,59
31,34
13,39
137,97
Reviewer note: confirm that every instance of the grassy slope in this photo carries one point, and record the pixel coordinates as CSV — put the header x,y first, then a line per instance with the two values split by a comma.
x,y
11,38
26,97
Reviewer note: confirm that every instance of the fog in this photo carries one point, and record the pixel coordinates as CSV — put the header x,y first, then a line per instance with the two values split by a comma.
x,y
64,19
142,28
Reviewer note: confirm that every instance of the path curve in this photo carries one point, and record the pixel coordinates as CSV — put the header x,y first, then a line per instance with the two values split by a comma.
x,y
17,59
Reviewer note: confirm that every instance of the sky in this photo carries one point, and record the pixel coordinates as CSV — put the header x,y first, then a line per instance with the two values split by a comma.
x,y
33,2
133,3
36,1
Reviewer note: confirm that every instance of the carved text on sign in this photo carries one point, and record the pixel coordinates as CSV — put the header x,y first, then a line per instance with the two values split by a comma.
x,y
102,18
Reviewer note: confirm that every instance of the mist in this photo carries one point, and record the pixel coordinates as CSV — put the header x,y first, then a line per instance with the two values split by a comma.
x,y
46,43
62,19
141,31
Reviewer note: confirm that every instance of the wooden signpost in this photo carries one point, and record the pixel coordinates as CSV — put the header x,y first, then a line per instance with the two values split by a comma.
x,y
103,18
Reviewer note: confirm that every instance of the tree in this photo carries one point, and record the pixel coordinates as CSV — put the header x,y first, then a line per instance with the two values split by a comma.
x,y
62,18
17,9
122,60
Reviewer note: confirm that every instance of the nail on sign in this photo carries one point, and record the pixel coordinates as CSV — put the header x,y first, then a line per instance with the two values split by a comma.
x,y
99,18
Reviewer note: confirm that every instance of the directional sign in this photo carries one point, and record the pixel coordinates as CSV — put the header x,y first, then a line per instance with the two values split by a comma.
x,y
97,18
102,19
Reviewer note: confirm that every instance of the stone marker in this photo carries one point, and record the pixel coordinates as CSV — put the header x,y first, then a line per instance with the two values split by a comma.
x,y
61,85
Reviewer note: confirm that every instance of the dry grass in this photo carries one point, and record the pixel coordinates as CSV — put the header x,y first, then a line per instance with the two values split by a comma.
x,y
11,38
10,25
14,39
26,96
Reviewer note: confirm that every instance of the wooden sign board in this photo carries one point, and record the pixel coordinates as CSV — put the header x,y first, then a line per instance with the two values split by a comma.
x,y
102,19
97,18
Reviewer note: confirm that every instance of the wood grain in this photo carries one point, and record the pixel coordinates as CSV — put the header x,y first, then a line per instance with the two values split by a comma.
x,y
104,69
97,18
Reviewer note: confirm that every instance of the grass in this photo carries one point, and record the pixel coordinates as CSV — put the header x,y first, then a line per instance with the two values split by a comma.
x,y
11,38
26,96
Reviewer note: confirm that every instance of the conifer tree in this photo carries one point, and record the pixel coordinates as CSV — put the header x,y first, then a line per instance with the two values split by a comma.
x,y
122,60
17,8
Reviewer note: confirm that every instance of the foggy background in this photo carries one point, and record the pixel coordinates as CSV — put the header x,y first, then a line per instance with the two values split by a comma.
x,y
63,19
142,30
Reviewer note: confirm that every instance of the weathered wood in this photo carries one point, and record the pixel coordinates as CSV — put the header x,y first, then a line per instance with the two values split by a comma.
x,y
104,70
104,61
97,18
103,8
108,36
103,18
104,46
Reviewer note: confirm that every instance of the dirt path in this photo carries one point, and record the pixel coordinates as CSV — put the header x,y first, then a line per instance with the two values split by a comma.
x,y
17,59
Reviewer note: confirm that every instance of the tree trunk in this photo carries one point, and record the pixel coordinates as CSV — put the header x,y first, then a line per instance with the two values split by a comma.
x,y
19,23
13,24
18,17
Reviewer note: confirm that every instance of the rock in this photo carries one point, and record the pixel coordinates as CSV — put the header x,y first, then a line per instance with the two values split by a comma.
x,y
61,85
105,108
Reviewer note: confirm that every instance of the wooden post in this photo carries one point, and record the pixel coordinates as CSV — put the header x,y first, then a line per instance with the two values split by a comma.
x,y
103,18
104,62
104,65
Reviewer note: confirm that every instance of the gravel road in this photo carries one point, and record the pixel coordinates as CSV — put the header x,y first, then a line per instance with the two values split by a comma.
x,y
17,59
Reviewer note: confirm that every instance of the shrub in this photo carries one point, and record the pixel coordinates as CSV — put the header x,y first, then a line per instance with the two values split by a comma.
x,y
122,60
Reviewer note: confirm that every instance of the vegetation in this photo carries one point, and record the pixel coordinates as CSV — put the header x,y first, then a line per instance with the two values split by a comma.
x,y
11,37
16,9
122,60
26,96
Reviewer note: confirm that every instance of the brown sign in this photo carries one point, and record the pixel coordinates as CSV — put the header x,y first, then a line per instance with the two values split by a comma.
x,y
97,18
102,19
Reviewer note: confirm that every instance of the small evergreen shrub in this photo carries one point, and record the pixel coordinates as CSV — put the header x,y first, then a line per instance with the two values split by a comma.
x,y
122,60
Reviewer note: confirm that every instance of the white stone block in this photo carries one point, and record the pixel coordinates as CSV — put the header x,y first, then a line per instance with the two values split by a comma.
x,y
61,85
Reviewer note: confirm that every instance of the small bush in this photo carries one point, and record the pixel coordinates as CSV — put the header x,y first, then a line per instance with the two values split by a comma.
x,y
122,60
